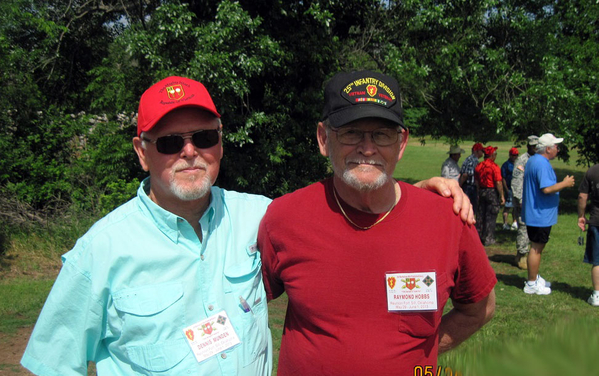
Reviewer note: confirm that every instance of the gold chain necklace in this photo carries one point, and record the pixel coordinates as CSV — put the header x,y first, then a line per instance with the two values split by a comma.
x,y
352,222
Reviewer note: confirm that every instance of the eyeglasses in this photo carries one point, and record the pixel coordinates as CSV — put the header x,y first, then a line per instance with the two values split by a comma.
x,y
381,136
173,143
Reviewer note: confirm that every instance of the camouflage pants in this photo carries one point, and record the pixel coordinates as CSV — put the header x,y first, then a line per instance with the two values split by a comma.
x,y
488,207
522,241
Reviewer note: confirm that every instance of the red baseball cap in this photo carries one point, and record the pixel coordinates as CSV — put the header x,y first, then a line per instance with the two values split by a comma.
x,y
514,151
489,150
478,146
169,94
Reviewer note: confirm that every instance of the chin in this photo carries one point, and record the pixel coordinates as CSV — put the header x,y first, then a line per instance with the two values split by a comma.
x,y
362,184
192,190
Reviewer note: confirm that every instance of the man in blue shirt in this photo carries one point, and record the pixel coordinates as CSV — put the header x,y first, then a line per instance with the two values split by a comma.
x,y
540,199
170,282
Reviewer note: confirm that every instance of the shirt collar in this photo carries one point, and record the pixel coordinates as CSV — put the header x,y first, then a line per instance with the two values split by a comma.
x,y
167,222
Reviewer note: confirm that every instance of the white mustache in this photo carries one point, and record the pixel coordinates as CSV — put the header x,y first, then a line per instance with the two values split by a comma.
x,y
365,161
182,165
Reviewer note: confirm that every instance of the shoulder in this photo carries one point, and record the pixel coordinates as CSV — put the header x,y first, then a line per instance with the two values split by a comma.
x,y
299,200
116,224
425,201
593,171
240,198
113,220
240,207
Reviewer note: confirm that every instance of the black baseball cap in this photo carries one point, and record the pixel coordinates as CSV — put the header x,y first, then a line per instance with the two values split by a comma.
x,y
350,96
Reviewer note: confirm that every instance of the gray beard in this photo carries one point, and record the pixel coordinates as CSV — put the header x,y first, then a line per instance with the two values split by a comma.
x,y
349,178
190,194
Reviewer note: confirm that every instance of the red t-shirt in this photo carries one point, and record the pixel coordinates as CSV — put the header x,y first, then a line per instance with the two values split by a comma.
x,y
337,320
487,173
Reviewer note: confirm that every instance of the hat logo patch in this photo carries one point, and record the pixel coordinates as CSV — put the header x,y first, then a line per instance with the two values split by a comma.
x,y
371,90
175,92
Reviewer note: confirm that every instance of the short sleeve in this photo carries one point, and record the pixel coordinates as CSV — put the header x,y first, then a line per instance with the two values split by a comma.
x,y
68,331
475,277
272,283
584,184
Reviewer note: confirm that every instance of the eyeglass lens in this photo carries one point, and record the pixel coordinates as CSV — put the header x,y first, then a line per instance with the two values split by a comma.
x,y
381,137
174,143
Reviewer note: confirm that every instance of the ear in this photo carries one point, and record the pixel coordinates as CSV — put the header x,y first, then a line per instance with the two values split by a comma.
x,y
141,153
321,134
221,142
403,143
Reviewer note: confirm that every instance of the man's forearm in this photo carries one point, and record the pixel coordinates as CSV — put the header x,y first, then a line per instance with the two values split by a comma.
x,y
463,321
554,188
499,187
582,204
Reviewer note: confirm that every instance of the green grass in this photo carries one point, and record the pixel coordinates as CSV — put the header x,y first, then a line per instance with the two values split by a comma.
x,y
21,300
529,335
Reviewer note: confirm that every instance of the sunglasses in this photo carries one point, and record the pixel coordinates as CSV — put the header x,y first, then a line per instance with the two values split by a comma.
x,y
173,143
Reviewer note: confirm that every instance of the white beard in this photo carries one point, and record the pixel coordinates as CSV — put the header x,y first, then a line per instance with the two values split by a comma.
x,y
349,177
193,192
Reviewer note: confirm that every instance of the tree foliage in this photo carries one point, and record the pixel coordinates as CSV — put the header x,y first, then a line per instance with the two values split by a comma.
x,y
72,74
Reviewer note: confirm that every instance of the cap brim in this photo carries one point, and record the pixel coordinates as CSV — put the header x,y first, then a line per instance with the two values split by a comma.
x,y
151,124
349,114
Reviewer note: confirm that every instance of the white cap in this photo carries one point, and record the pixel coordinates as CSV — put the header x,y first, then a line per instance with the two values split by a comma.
x,y
549,140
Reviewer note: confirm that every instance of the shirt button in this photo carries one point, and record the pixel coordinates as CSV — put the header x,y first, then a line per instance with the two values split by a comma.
x,y
223,355
210,307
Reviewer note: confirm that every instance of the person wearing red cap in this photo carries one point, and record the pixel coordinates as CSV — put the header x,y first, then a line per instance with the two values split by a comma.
x,y
170,282
365,280
507,170
467,181
490,195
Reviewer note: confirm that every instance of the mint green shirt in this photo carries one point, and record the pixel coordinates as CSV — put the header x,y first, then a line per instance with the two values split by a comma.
x,y
140,276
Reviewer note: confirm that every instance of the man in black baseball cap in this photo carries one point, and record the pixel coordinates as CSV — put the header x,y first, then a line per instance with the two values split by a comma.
x,y
361,250
358,95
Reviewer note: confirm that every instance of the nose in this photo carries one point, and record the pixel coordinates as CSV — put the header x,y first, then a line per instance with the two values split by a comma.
x,y
367,145
189,149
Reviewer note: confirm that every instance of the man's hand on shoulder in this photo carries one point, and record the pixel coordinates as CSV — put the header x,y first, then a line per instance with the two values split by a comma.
x,y
450,188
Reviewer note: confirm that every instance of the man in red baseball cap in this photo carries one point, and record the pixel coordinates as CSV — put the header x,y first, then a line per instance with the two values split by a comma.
x,y
169,282
490,195
507,170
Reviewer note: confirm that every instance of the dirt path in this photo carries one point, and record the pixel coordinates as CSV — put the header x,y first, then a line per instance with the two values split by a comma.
x,y
12,347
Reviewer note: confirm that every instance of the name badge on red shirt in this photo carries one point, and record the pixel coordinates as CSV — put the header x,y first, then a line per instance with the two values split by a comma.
x,y
411,292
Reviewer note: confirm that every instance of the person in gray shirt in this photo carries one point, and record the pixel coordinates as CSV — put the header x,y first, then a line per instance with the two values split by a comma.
x,y
522,241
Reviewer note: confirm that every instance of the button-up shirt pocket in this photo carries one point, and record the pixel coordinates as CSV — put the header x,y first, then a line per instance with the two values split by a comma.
x,y
152,323
244,281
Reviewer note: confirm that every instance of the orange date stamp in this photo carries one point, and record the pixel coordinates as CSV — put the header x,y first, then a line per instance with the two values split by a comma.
x,y
430,371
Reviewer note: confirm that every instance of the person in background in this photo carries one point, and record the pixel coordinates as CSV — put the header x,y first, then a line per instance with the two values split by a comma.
x,y
589,189
490,195
169,282
540,199
450,168
507,169
467,181
522,242
384,316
